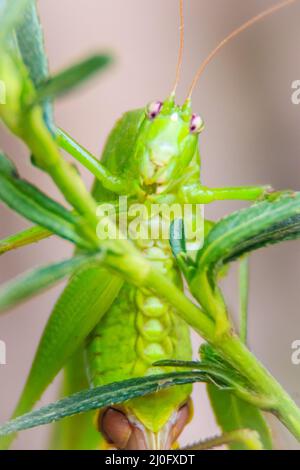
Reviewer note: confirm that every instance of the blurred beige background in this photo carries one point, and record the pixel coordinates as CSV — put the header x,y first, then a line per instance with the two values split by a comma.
x,y
251,136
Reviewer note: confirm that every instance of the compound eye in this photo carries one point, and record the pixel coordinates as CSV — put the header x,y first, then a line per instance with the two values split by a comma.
x,y
196,124
154,109
115,427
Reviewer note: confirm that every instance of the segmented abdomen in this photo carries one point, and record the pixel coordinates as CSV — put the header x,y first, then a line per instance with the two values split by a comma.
x,y
139,329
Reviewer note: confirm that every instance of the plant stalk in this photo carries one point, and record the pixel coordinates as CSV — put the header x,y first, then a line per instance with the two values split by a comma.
x,y
244,297
273,397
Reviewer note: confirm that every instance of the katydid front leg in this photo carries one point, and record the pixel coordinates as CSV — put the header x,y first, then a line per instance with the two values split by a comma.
x,y
109,181
196,193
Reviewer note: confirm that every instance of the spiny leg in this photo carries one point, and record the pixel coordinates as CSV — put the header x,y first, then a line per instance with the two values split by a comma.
x,y
249,438
102,174
198,194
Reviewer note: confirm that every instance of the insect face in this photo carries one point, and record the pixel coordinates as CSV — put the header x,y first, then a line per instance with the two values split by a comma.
x,y
125,432
167,142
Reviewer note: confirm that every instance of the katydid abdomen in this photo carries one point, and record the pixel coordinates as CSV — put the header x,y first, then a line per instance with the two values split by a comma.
x,y
138,330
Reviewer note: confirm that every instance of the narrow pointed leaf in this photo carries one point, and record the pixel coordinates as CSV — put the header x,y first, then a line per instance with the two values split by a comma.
x,y
31,44
31,203
216,369
177,238
71,77
179,248
24,238
87,400
11,12
220,374
37,280
262,224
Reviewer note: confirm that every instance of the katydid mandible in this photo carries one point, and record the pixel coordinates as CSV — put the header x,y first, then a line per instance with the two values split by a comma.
x,y
151,156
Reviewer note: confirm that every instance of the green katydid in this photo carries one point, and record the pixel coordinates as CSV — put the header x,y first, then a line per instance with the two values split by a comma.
x,y
154,152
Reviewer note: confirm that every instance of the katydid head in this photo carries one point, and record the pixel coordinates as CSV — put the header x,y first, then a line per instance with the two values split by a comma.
x,y
123,430
169,136
168,140
167,143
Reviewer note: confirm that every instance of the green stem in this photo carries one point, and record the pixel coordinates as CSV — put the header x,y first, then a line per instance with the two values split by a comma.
x,y
269,393
109,181
139,271
193,315
211,300
244,297
49,159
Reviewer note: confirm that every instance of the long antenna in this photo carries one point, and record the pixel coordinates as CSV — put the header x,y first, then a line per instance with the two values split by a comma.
x,y
231,36
181,47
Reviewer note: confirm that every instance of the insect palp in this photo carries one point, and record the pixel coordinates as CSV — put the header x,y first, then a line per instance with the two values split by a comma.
x,y
153,109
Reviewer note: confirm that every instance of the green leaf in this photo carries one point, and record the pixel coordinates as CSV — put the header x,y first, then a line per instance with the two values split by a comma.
x,y
217,372
179,249
177,237
24,238
107,395
71,77
268,222
7,168
31,45
231,412
39,279
11,12
31,203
